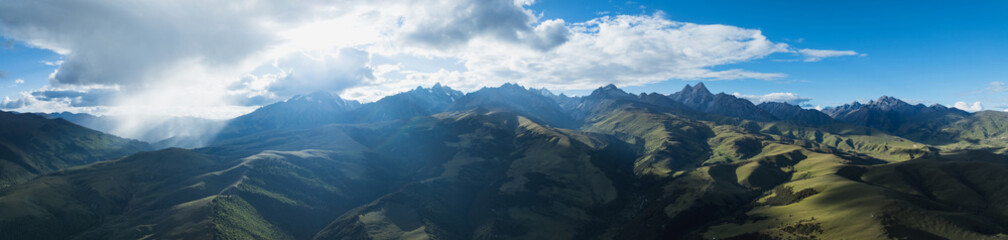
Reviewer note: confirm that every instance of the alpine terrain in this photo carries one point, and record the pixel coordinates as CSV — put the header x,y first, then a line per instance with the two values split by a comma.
x,y
510,162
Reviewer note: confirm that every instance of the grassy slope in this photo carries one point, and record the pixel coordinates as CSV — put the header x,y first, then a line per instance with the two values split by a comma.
x,y
507,177
695,173
632,171
667,142
236,219
916,199
987,130
177,193
31,145
152,188
748,163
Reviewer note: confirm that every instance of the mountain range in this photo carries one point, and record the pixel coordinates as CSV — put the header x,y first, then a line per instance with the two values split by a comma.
x,y
510,162
160,132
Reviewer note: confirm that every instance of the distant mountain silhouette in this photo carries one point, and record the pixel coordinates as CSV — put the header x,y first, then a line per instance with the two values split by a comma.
x,y
414,103
891,115
164,132
796,114
302,111
701,99
512,97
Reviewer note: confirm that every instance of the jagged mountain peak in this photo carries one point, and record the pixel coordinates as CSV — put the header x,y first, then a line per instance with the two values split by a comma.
x,y
883,103
693,92
898,117
437,89
610,91
323,97
545,92
700,87
938,106
888,103
301,111
889,99
512,86
513,97
701,99
445,89
795,113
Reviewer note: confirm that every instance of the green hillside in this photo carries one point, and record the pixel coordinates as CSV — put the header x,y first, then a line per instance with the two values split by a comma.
x,y
634,168
31,145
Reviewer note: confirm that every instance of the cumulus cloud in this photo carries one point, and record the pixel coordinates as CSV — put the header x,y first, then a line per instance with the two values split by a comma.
x,y
16,103
130,43
815,55
626,50
305,73
976,106
782,97
77,97
49,99
445,24
219,58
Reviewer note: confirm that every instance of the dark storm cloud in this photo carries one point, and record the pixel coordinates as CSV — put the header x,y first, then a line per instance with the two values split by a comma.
x,y
500,19
77,98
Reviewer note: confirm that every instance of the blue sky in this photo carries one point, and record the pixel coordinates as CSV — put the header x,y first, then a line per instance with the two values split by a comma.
x,y
927,52
18,61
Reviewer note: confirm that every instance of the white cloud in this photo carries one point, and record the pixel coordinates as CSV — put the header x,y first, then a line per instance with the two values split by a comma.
x,y
304,73
976,106
996,87
626,50
200,58
782,97
47,99
52,63
815,55
17,82
172,57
